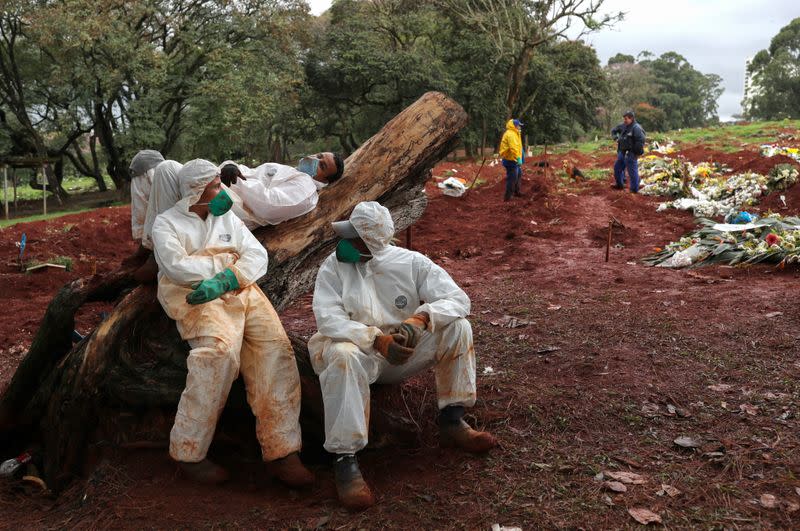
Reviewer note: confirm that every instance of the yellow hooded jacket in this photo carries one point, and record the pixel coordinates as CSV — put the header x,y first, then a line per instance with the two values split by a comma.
x,y
511,144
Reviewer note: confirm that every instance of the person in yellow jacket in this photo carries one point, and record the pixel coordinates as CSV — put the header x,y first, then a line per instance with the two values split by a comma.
x,y
511,153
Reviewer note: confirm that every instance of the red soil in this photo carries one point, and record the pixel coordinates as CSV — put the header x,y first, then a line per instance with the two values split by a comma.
x,y
570,395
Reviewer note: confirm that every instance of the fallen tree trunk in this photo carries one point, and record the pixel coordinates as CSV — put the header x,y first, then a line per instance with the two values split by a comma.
x,y
135,362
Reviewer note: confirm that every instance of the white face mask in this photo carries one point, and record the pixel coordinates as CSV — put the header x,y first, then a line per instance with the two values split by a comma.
x,y
320,185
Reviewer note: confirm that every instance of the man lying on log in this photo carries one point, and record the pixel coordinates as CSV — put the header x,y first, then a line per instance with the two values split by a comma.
x,y
273,193
266,195
209,263
385,313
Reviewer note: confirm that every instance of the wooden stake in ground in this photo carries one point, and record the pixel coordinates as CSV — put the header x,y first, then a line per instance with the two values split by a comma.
x,y
608,244
130,371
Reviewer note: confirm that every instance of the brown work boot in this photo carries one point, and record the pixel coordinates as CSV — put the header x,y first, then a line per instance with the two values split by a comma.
x,y
353,491
291,471
204,472
454,432
462,436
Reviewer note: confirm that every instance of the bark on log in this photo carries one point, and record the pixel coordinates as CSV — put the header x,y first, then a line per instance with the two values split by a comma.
x,y
135,361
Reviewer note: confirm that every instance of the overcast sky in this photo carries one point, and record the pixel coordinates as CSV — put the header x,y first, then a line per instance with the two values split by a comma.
x,y
715,36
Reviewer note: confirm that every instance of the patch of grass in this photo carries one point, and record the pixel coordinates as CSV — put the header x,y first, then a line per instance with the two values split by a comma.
x,y
39,217
73,185
597,174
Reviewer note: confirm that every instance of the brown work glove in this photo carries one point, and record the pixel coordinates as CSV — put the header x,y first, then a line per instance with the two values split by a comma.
x,y
391,347
412,328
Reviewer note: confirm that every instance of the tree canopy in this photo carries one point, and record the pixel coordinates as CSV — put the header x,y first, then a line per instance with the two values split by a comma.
x,y
775,77
259,80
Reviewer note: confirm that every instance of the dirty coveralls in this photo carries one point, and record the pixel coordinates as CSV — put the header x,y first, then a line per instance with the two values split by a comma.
x,y
239,332
355,303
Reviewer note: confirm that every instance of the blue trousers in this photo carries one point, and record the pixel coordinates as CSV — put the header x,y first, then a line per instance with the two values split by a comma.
x,y
513,177
627,161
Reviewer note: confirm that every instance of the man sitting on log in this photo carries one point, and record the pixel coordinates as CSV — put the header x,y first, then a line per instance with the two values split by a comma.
x,y
209,263
164,193
385,313
273,193
141,173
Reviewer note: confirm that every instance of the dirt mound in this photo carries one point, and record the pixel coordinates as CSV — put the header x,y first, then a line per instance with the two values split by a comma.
x,y
700,154
764,165
790,205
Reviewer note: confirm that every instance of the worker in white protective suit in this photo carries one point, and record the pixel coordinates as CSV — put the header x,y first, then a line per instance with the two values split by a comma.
x,y
385,313
164,193
208,267
273,193
141,172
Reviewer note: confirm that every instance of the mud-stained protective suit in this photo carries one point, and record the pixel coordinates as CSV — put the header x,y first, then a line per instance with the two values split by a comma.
x,y
239,332
355,303
141,169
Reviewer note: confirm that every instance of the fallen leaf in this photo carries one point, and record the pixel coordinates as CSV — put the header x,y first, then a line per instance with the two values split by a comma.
x,y
547,350
721,388
768,501
554,307
615,486
716,457
669,490
644,516
750,410
607,500
629,478
650,409
792,507
671,409
686,442
797,490
770,315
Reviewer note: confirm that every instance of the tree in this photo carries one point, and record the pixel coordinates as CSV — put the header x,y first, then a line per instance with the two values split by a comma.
x,y
563,89
621,58
629,84
369,61
668,89
518,27
26,91
775,75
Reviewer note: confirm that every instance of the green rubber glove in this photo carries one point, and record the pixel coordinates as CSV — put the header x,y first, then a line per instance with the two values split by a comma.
x,y
212,288
519,161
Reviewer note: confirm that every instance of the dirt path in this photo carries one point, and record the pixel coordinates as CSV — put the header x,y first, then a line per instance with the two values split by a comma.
x,y
616,362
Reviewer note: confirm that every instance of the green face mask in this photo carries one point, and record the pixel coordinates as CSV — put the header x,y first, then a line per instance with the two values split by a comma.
x,y
220,204
346,252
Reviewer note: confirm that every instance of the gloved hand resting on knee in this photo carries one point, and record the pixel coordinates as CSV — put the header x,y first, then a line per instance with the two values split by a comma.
x,y
412,328
212,288
391,347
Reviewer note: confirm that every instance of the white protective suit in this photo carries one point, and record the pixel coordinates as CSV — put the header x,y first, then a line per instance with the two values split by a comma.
x,y
164,193
238,332
354,303
141,169
273,193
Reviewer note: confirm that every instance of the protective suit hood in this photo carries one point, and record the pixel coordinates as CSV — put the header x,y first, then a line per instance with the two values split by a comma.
x,y
164,194
145,160
193,178
374,225
511,127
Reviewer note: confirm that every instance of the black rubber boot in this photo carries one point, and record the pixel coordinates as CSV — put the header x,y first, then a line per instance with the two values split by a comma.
x,y
353,491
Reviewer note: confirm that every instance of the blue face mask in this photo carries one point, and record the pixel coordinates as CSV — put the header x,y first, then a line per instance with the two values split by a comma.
x,y
308,165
